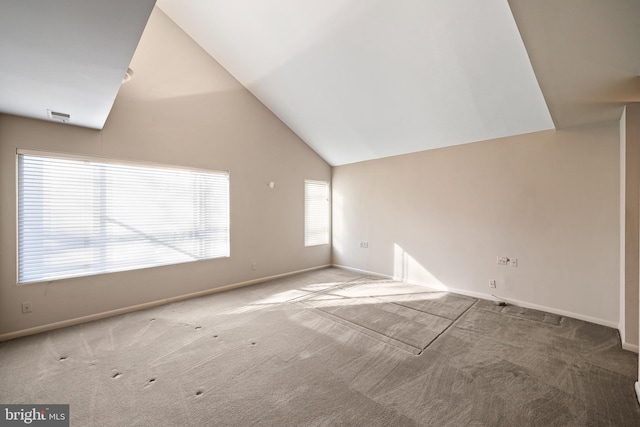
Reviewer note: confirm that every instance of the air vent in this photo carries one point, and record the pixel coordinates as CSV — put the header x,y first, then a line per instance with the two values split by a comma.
x,y
61,117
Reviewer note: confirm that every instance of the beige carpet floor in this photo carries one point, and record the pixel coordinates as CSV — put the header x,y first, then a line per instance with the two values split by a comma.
x,y
329,347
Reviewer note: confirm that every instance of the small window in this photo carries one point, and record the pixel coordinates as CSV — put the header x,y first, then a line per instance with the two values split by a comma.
x,y
316,213
81,216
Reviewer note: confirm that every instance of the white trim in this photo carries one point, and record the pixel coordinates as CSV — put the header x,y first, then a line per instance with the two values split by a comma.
x,y
638,391
358,270
630,347
491,297
559,312
111,313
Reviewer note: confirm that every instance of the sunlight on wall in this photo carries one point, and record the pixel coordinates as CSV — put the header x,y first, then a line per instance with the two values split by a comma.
x,y
407,269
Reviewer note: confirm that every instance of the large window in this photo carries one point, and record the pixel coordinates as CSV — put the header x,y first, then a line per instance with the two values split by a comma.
x,y
83,216
316,213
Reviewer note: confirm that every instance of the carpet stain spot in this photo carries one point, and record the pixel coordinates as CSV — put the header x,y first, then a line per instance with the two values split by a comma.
x,y
199,393
215,336
198,328
116,375
62,358
152,320
253,343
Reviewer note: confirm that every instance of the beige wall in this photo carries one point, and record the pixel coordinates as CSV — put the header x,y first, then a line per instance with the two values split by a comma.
x,y
440,217
181,108
629,237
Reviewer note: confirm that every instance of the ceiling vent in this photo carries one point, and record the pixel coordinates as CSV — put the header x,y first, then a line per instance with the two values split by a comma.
x,y
61,117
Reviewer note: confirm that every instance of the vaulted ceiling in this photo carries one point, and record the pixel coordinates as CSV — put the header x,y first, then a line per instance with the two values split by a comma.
x,y
355,79
67,56
365,79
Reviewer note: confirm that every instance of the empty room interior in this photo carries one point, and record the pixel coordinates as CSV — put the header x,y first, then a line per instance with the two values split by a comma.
x,y
320,213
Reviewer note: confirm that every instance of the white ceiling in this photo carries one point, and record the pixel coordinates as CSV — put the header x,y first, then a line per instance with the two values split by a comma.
x,y
68,56
359,80
355,79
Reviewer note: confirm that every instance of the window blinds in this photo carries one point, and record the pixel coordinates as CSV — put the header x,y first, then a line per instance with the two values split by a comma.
x,y
316,213
78,217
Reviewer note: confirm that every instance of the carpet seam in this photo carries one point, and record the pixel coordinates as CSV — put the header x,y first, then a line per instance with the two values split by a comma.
x,y
354,326
449,327
422,311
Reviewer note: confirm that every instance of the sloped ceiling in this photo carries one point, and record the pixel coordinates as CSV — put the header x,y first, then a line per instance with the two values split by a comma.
x,y
69,56
355,79
359,80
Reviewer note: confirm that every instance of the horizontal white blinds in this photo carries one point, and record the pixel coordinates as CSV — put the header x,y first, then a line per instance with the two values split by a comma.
x,y
84,217
316,213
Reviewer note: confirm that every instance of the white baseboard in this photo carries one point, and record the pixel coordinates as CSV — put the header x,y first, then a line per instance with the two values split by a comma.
x,y
358,270
564,313
490,297
630,347
105,314
638,391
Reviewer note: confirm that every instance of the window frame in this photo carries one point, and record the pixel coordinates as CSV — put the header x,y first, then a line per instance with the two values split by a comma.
x,y
326,240
145,167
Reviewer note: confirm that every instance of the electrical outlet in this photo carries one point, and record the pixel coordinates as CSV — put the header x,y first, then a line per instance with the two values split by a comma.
x,y
513,262
253,265
492,283
26,307
502,260
364,245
